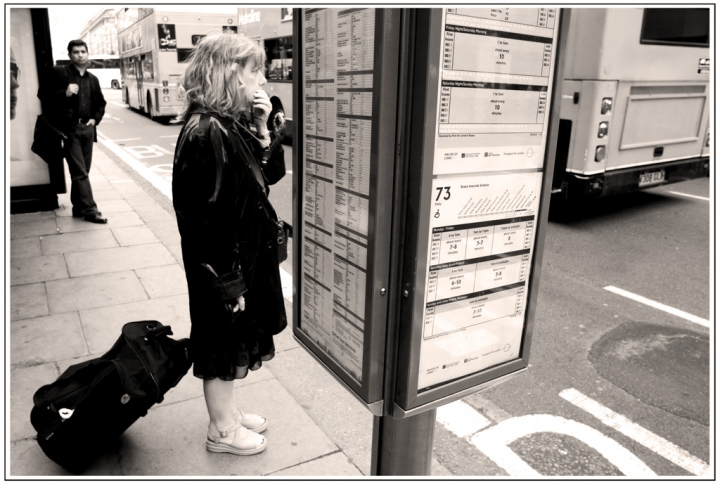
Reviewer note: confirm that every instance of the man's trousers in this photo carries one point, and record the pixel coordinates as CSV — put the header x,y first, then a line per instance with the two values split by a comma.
x,y
78,153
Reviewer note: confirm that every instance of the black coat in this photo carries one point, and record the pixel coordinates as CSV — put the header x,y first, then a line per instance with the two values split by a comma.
x,y
225,218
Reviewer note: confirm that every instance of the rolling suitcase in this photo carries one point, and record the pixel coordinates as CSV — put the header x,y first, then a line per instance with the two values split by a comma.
x,y
84,412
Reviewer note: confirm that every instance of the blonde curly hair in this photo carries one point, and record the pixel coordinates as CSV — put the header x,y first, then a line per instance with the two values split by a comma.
x,y
211,78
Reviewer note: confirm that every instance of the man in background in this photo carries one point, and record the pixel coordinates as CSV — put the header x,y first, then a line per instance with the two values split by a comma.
x,y
77,105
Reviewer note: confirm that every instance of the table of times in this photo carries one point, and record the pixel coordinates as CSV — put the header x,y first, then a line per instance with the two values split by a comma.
x,y
338,76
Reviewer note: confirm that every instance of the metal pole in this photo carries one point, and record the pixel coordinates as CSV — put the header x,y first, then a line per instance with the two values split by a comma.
x,y
403,446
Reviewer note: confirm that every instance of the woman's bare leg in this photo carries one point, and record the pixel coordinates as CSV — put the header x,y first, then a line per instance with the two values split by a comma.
x,y
219,400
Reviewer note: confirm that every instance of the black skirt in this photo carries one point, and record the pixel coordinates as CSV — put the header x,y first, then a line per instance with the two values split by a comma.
x,y
227,345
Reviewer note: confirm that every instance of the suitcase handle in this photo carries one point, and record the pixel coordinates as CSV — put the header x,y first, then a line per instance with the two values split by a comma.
x,y
155,332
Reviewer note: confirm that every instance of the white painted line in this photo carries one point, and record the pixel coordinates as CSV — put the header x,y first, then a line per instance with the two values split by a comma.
x,y
659,445
659,306
157,181
127,139
161,149
689,195
494,441
122,105
461,419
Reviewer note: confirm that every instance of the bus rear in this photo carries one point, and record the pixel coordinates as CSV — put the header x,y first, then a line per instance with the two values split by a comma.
x,y
635,104
155,50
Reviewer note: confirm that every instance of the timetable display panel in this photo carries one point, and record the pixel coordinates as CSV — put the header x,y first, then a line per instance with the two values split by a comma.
x,y
490,135
337,97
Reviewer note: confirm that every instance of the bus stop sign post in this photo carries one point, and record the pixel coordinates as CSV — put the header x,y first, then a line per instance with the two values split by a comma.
x,y
420,197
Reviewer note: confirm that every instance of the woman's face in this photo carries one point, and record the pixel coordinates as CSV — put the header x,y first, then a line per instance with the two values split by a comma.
x,y
252,78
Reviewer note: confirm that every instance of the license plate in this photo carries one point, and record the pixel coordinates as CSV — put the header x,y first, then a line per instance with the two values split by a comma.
x,y
651,178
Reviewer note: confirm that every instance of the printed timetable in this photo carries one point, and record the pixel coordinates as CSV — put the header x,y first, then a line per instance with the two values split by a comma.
x,y
496,69
337,81
491,131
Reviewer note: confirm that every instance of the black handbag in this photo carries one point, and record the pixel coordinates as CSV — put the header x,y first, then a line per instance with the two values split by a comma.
x,y
84,412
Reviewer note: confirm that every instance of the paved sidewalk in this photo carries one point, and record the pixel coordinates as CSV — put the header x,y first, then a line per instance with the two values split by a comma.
x,y
74,284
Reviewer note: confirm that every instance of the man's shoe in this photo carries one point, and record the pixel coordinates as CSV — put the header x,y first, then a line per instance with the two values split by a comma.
x,y
96,218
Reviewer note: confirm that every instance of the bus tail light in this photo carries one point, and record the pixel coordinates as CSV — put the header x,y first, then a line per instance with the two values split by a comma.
x,y
166,99
603,129
606,106
600,153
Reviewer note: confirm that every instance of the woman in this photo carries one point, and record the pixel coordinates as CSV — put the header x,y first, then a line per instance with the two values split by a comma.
x,y
228,229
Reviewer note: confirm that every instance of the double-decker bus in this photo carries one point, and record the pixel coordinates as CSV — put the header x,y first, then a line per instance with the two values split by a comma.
x,y
105,68
636,101
272,28
154,46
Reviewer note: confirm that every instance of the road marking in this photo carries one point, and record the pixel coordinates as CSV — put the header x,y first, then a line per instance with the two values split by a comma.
x,y
659,445
493,442
161,149
659,306
689,195
461,419
122,105
127,139
156,180
163,167
144,152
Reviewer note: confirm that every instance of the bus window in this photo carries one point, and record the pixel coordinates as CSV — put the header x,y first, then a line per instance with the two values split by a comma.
x,y
279,56
147,67
183,55
676,26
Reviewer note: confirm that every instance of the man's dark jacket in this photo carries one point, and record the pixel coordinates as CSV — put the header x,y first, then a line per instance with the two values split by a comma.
x,y
58,108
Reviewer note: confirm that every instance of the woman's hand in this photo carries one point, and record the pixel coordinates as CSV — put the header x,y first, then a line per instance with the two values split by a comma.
x,y
240,305
261,110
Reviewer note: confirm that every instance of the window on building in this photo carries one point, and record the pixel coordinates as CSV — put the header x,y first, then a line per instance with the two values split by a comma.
x,y
279,58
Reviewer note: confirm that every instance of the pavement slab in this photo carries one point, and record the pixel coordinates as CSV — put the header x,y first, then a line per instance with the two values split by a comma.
x,y
132,236
119,219
342,417
75,242
167,231
163,281
173,444
25,248
102,325
333,465
28,301
24,382
35,269
118,259
28,459
107,195
20,228
153,212
139,200
46,339
94,291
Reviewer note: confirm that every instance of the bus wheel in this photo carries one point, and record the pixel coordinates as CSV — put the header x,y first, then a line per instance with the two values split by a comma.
x,y
114,84
149,107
